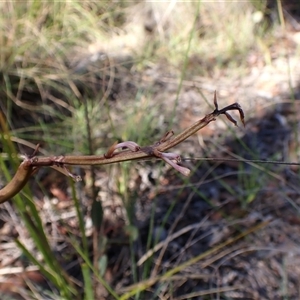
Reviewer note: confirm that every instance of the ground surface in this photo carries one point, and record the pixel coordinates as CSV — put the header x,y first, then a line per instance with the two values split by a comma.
x,y
215,204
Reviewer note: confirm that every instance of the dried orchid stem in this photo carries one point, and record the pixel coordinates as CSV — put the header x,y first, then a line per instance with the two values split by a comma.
x,y
133,152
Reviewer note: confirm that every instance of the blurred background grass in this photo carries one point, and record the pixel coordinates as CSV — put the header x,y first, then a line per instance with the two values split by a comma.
x,y
76,77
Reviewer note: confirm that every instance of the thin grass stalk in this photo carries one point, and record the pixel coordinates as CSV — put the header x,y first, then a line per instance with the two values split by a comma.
x,y
95,273
132,290
280,14
40,240
148,263
80,218
165,219
185,60
32,220
88,285
48,273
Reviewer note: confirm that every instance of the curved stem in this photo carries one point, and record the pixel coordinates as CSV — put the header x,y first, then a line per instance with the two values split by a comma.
x,y
32,164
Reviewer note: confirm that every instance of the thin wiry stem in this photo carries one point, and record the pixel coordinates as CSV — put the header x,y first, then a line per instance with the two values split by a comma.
x,y
133,152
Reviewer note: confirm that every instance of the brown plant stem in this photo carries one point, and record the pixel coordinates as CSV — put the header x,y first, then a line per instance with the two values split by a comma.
x,y
31,164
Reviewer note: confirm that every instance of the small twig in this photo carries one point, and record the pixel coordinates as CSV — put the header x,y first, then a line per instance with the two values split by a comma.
x,y
133,152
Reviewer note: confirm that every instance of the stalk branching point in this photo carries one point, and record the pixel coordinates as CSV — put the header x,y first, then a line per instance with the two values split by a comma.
x,y
118,152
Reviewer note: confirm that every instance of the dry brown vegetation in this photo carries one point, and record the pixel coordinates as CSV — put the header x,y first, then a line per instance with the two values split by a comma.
x,y
77,77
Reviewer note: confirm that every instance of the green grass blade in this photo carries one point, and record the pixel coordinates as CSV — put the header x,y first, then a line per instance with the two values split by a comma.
x,y
88,286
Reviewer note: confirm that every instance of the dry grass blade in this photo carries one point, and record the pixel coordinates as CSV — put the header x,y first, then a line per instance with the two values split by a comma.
x,y
134,289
